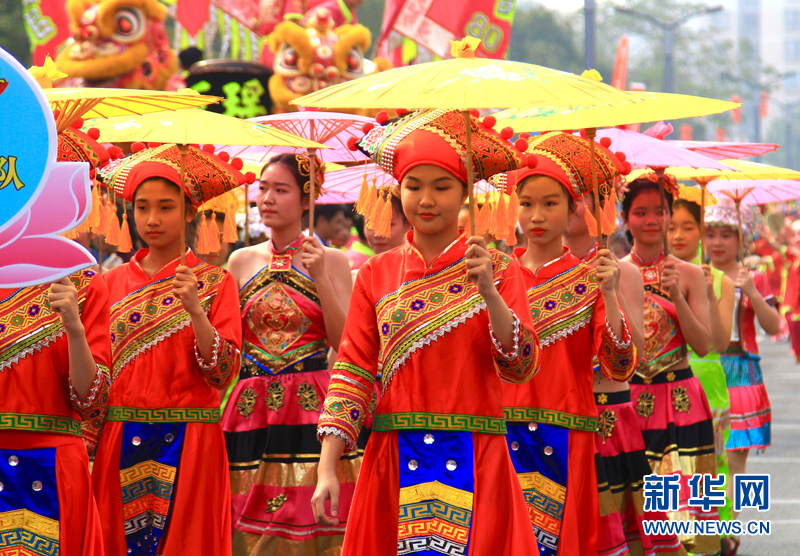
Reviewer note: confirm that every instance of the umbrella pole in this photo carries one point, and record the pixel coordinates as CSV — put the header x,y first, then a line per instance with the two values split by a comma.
x,y
183,149
100,255
590,134
470,177
702,221
312,177
660,174
247,215
738,202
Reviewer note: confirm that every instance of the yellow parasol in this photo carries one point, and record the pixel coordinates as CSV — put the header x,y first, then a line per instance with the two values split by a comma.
x,y
189,126
642,108
741,170
88,103
467,82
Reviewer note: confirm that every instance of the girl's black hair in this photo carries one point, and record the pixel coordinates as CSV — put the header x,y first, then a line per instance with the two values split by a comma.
x,y
397,205
289,161
636,188
691,206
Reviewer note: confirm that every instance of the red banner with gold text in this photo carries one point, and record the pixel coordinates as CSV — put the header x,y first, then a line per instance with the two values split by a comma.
x,y
47,24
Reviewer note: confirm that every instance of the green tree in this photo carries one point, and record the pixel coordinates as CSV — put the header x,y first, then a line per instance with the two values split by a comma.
x,y
546,38
13,36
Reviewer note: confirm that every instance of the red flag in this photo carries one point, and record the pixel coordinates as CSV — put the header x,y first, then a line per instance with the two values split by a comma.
x,y
736,113
686,132
432,24
192,15
721,134
764,108
620,76
47,24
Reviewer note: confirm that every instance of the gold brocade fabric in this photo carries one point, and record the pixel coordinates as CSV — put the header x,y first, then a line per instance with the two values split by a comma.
x,y
298,474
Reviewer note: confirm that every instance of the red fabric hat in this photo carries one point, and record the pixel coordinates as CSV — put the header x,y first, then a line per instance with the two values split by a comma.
x,y
206,175
567,159
438,137
76,146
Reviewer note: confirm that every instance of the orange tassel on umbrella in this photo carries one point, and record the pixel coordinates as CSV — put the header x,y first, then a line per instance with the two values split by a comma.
x,y
125,244
213,235
229,232
114,227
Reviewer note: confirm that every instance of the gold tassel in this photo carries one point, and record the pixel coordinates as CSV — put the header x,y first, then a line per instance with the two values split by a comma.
x,y
610,215
362,193
511,238
213,235
591,223
375,214
93,220
229,232
384,220
125,244
371,200
114,228
202,237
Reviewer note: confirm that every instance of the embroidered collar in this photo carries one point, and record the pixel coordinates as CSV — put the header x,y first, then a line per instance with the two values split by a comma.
x,y
293,246
590,254
638,260
548,266
442,258
136,261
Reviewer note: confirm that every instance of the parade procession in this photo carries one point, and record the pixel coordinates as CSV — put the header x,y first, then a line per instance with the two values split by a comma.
x,y
398,277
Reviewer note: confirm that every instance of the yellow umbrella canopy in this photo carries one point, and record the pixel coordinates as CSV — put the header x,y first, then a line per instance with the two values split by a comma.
x,y
91,103
641,108
193,125
741,170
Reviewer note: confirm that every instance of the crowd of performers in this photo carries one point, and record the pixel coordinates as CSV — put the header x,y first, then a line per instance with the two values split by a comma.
x,y
454,399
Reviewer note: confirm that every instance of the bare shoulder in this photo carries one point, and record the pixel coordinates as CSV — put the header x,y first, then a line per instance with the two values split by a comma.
x,y
630,274
337,257
244,263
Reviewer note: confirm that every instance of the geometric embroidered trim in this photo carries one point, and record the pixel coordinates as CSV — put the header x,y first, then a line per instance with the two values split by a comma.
x,y
550,417
40,423
165,414
43,343
336,431
572,328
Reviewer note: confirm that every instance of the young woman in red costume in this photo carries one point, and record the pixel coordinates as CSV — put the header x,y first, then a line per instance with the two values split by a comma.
x,y
620,456
294,295
54,375
444,321
751,415
160,474
673,412
552,420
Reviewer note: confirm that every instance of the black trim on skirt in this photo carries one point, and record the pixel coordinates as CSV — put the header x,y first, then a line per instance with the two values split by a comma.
x,y
664,377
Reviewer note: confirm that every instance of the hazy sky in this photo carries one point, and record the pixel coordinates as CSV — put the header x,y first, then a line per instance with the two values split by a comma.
x,y
561,5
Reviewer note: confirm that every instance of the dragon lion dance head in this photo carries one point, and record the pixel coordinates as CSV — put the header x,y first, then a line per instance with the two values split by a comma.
x,y
316,56
118,43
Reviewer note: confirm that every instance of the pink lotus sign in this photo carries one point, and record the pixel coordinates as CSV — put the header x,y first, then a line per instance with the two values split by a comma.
x,y
39,197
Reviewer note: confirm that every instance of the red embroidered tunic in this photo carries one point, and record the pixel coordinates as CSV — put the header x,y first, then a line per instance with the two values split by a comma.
x,y
425,329
159,380
40,422
569,316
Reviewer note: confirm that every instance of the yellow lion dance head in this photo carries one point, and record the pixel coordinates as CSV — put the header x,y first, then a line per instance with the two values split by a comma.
x,y
118,43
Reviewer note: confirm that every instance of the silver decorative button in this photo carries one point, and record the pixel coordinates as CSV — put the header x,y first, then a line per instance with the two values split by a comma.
x,y
412,465
515,446
170,437
428,438
130,551
37,485
548,451
451,465
136,441
13,461
2,487
531,427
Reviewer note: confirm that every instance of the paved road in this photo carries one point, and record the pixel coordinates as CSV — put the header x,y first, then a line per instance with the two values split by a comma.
x,y
782,459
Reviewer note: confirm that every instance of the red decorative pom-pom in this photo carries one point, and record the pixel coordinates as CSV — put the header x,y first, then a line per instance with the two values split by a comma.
x,y
525,136
506,133
626,168
94,133
115,152
224,156
621,156
250,177
351,143
605,141
137,146
77,124
475,113
237,163
569,131
382,117
92,173
209,148
489,122
401,111
367,127
532,162
153,145
521,145
194,145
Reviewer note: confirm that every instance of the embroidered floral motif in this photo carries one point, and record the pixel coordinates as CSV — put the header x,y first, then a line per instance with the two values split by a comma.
x,y
563,304
645,405
308,397
606,422
602,399
274,504
680,399
275,393
247,403
149,315
276,319
670,376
